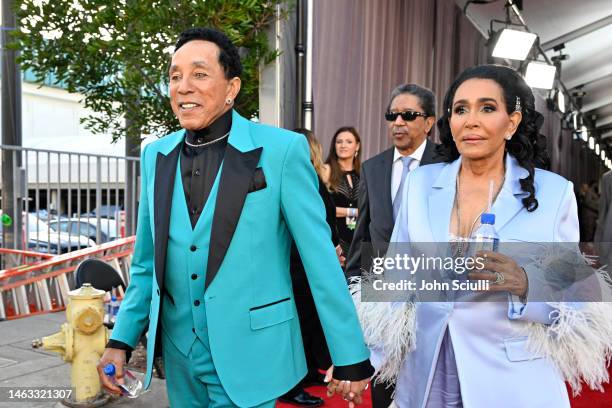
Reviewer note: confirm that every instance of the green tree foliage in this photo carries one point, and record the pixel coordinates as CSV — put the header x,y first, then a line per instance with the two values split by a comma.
x,y
116,53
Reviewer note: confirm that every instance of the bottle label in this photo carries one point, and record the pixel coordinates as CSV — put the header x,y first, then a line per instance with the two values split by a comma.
x,y
132,385
486,244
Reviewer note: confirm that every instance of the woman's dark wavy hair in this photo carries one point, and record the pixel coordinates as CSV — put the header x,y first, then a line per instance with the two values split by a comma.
x,y
527,145
336,174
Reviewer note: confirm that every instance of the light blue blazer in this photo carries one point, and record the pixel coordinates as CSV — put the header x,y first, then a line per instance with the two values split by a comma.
x,y
494,366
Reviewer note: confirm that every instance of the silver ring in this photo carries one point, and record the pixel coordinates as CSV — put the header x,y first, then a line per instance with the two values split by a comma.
x,y
499,278
367,385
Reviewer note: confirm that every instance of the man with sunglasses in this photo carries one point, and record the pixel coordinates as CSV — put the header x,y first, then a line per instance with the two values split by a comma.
x,y
410,118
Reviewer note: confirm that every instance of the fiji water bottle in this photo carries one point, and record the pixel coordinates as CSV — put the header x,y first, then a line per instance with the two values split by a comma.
x,y
108,310
485,238
131,386
114,307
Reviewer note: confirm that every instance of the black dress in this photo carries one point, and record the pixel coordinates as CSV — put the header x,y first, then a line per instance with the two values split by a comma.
x,y
346,196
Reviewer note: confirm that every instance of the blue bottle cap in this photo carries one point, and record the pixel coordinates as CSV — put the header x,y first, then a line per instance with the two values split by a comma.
x,y
487,218
113,298
109,370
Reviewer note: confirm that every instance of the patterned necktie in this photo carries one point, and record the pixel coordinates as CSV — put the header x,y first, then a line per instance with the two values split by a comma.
x,y
397,201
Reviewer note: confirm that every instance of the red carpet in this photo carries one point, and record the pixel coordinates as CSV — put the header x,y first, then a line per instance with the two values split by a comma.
x,y
593,399
334,402
587,399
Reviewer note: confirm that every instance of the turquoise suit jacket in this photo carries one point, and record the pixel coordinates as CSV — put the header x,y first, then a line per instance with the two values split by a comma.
x,y
494,365
254,332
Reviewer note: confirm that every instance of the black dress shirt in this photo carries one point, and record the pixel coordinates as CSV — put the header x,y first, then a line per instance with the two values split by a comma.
x,y
200,165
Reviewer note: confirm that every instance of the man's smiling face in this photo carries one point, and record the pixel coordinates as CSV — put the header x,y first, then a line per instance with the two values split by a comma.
x,y
199,89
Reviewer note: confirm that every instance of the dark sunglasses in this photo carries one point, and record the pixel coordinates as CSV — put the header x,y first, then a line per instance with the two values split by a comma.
x,y
408,116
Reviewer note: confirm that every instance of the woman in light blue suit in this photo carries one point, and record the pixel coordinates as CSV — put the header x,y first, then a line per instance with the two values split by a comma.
x,y
498,352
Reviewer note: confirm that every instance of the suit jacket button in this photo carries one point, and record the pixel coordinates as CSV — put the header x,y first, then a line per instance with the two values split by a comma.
x,y
193,329
194,276
196,303
193,248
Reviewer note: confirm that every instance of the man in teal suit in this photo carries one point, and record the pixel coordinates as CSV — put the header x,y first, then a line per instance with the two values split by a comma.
x,y
220,202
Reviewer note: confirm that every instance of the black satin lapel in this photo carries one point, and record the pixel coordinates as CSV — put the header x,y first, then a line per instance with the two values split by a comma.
x,y
236,175
165,173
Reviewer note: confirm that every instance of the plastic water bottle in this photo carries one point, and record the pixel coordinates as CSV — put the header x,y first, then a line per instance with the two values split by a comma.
x,y
485,237
108,310
131,387
114,305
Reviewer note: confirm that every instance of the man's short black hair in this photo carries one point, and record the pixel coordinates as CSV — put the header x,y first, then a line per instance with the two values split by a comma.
x,y
228,53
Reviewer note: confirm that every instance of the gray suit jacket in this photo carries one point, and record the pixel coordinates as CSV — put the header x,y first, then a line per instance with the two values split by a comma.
x,y
375,221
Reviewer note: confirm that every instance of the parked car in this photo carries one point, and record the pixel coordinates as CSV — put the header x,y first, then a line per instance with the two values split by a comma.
x,y
41,238
105,211
87,227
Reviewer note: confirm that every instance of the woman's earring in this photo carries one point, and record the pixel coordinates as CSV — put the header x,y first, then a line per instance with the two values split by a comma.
x,y
228,101
508,136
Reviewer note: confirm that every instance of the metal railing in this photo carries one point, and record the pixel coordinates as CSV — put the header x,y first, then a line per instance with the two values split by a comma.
x,y
42,286
67,200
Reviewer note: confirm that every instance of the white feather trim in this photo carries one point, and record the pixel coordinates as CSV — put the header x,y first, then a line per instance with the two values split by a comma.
x,y
579,343
579,340
389,327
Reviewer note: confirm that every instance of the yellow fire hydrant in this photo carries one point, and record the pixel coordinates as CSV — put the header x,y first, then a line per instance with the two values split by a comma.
x,y
81,341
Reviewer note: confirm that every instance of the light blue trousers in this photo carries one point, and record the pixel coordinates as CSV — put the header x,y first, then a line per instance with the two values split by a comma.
x,y
192,381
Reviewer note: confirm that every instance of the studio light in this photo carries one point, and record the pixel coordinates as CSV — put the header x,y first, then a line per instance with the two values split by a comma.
x,y
597,148
603,155
575,119
584,133
540,75
561,100
513,44
592,143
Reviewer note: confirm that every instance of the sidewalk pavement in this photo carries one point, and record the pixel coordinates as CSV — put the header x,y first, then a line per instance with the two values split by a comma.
x,y
23,366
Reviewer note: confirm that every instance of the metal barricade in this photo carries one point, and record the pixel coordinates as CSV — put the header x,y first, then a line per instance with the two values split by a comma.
x,y
43,287
67,200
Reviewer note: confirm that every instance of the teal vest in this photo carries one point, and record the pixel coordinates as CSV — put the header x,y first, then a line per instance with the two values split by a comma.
x,y
186,261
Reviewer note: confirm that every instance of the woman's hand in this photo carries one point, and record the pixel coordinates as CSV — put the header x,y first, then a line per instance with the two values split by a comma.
x,y
340,255
503,272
